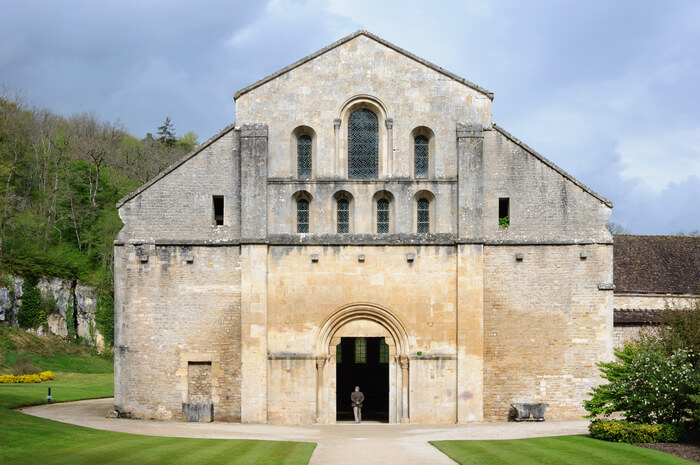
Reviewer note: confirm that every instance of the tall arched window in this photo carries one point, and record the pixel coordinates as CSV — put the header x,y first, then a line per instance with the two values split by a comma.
x,y
421,156
363,144
382,216
343,216
302,216
423,218
304,156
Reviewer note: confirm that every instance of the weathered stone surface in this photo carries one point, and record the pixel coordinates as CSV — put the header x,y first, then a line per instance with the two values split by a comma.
x,y
202,412
71,298
469,327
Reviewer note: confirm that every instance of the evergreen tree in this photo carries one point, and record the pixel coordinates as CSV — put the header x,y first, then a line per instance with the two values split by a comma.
x,y
166,133
32,313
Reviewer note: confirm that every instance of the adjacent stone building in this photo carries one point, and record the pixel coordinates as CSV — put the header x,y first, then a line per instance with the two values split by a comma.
x,y
653,274
363,222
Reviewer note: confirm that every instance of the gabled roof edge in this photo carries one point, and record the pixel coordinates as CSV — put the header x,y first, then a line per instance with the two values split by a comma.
x,y
348,38
178,163
532,152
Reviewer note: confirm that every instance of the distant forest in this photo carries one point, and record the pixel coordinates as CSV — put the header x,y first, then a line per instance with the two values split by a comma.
x,y
60,179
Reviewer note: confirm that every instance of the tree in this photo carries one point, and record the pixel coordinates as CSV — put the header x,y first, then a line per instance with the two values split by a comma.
x,y
647,386
32,313
188,141
616,228
166,133
655,379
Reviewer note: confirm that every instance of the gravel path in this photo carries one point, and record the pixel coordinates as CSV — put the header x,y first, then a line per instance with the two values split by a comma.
x,y
344,443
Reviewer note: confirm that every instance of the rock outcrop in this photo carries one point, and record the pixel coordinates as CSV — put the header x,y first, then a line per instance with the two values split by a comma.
x,y
76,304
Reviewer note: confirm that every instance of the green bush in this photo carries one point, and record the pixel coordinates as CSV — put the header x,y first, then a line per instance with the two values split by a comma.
x,y
635,433
105,317
647,385
32,313
24,366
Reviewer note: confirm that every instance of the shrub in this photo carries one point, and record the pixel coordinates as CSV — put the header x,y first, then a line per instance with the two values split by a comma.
x,y
32,313
24,366
647,385
26,379
623,431
105,317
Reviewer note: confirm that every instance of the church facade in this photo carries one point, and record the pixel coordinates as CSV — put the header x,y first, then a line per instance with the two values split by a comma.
x,y
363,222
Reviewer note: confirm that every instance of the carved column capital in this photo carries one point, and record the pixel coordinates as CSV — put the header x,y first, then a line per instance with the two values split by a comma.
x,y
336,123
320,362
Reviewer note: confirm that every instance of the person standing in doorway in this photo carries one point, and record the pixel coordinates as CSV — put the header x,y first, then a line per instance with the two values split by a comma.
x,y
357,398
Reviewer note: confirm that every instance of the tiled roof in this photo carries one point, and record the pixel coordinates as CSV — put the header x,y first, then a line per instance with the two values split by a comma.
x,y
637,316
656,264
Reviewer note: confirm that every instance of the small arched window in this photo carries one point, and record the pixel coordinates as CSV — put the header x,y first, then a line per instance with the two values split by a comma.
x,y
423,217
421,156
304,156
343,216
363,144
302,216
382,216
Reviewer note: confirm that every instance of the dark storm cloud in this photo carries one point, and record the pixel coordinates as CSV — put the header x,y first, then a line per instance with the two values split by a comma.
x,y
607,90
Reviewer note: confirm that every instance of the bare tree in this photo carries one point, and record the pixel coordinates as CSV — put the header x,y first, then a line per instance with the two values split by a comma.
x,y
616,228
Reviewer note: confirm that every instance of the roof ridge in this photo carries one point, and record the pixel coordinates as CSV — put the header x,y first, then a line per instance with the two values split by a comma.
x,y
552,165
376,38
176,164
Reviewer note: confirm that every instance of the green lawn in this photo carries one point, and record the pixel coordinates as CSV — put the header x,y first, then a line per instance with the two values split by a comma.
x,y
29,440
569,450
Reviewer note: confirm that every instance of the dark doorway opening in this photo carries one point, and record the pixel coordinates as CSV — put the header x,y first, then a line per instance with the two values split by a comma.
x,y
364,362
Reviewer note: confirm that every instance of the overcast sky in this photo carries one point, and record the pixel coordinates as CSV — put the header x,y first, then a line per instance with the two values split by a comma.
x,y
608,90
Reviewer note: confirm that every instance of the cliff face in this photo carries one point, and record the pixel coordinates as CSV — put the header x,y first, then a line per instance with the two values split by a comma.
x,y
75,304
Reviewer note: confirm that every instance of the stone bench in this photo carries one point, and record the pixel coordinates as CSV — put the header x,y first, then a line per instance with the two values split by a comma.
x,y
198,412
524,411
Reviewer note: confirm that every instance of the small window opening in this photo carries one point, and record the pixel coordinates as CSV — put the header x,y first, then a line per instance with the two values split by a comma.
x,y
219,210
421,156
504,212
360,350
304,156
383,216
303,216
423,216
343,216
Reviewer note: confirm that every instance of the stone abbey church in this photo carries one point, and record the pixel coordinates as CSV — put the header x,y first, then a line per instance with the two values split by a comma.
x,y
363,222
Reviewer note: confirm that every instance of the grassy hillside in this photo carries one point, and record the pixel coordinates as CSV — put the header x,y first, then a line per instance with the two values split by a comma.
x,y
49,353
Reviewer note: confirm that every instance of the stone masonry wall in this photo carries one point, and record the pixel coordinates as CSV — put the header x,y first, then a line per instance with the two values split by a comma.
x,y
302,293
176,305
179,206
314,93
544,206
546,325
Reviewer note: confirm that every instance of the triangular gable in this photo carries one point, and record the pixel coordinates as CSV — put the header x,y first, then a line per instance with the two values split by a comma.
x,y
566,175
342,41
177,164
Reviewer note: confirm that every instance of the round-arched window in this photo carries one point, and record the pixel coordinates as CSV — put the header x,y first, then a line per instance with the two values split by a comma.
x,y
363,144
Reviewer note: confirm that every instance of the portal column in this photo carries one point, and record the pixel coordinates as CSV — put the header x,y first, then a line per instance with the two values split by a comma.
x,y
389,167
403,360
320,363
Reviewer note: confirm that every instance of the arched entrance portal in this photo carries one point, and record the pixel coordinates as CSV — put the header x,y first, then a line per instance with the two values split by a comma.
x,y
367,321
